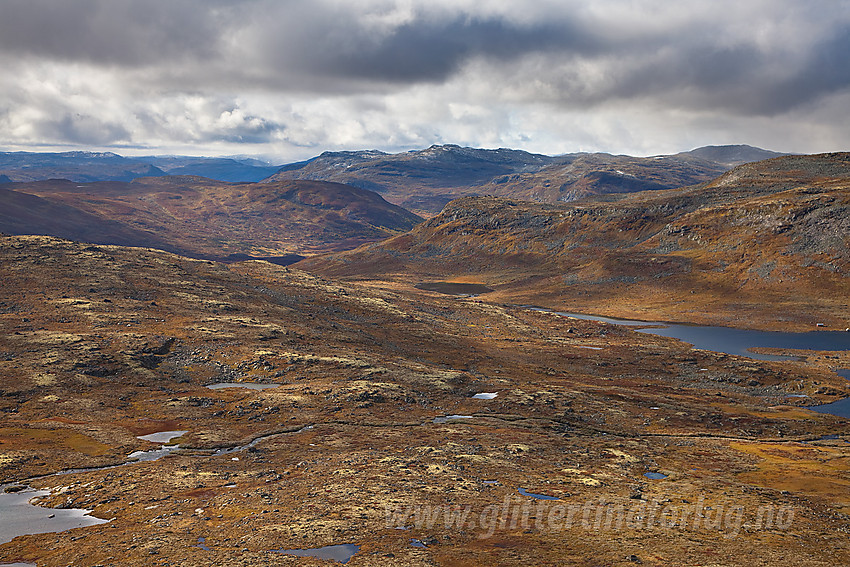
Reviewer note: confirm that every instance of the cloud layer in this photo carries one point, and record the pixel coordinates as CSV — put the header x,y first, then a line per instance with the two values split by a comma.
x,y
290,79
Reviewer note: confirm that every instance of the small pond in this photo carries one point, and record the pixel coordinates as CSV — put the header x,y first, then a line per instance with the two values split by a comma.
x,y
524,492
485,396
342,553
162,436
447,418
202,544
248,385
22,518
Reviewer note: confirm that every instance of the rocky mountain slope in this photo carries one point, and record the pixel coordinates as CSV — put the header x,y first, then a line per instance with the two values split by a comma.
x,y
765,244
204,218
577,176
424,181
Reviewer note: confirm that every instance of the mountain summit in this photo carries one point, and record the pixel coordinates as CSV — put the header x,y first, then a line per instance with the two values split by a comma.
x,y
425,180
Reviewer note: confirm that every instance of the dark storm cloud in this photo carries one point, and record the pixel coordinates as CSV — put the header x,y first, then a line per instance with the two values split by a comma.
x,y
423,50
81,129
826,71
739,78
335,48
148,71
119,32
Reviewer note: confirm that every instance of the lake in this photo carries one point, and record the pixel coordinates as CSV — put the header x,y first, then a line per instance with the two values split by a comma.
x,y
729,340
740,342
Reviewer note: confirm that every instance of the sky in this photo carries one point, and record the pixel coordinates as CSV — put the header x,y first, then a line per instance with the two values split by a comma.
x,y
289,79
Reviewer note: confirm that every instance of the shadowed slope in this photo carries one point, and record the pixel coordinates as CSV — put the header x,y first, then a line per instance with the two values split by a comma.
x,y
205,218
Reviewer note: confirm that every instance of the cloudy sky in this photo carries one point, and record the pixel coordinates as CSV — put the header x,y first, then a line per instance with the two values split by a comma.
x,y
289,79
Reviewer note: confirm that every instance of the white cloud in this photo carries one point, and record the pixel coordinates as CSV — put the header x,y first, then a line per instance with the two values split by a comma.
x,y
295,78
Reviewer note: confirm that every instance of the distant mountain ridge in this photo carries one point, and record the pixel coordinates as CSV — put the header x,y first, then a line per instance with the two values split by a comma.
x,y
75,166
425,180
204,218
221,169
733,155
87,167
422,181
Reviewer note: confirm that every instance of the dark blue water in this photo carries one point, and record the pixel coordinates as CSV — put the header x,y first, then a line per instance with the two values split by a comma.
x,y
734,341
655,475
740,341
841,408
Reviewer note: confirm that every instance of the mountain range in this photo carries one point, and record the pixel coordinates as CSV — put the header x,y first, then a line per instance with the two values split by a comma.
x,y
425,180
422,181
87,167
204,218
196,206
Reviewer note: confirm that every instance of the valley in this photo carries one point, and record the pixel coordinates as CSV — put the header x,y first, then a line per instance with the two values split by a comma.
x,y
417,393
763,246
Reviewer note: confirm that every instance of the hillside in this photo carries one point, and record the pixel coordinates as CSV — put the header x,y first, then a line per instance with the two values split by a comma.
x,y
422,181
764,245
581,175
204,218
425,180
731,155
369,414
